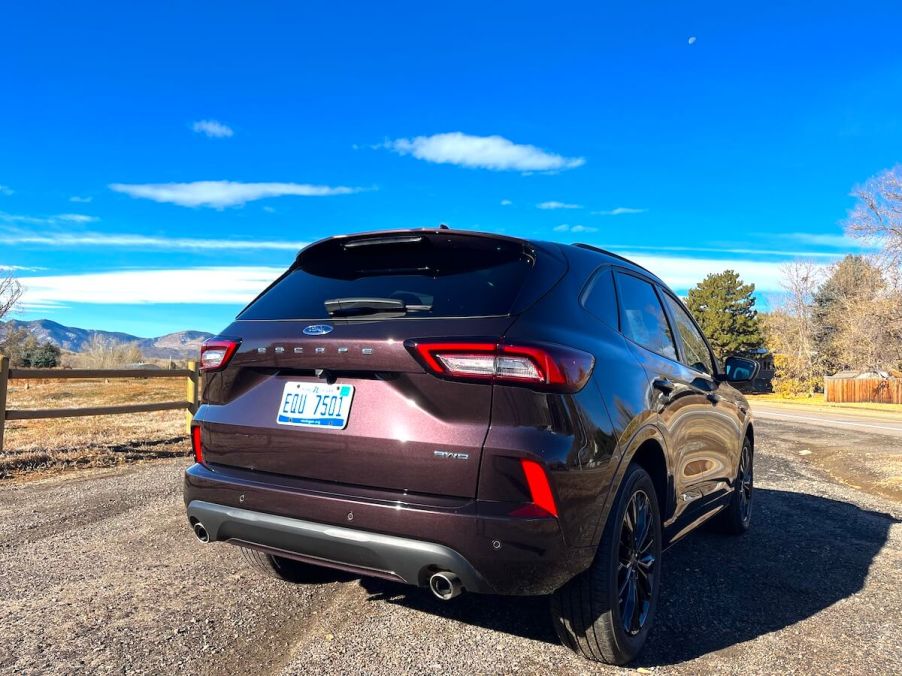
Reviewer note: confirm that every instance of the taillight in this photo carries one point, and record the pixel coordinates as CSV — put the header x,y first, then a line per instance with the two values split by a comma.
x,y
543,366
216,353
539,491
197,444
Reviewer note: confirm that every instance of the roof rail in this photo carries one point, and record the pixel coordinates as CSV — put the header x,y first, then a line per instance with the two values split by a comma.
x,y
591,247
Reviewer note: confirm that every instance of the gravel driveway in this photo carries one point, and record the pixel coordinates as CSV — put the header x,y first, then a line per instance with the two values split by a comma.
x,y
101,574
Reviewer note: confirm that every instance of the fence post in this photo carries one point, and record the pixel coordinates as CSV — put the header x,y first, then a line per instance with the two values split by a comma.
x,y
4,379
192,394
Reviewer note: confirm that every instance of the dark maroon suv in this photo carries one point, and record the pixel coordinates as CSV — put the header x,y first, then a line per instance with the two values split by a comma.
x,y
471,412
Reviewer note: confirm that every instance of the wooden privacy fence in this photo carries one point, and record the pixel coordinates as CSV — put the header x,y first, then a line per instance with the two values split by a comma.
x,y
874,390
189,404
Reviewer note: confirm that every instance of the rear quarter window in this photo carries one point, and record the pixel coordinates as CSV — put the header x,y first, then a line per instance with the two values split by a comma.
x,y
455,275
600,299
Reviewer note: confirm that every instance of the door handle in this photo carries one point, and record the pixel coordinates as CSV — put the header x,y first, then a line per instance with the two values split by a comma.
x,y
664,385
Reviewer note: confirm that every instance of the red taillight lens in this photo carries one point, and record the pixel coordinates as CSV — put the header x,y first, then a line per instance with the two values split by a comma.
x,y
539,490
547,367
216,353
197,444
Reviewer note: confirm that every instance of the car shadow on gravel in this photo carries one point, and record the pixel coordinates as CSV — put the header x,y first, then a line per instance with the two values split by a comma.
x,y
803,554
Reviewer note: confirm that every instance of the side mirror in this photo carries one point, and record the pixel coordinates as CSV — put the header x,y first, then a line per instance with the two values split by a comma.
x,y
741,370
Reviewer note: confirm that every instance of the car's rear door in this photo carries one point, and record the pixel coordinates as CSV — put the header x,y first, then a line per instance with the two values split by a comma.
x,y
712,460
682,407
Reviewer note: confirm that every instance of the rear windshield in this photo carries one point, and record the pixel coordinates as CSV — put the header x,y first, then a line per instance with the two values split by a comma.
x,y
451,275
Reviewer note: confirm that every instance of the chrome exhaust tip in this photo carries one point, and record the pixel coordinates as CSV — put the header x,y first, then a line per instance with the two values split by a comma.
x,y
200,532
445,585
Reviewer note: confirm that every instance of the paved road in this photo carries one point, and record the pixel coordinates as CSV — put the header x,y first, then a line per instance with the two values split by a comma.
x,y
101,575
839,420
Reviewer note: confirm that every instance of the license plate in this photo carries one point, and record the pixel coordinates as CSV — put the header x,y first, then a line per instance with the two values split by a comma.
x,y
315,405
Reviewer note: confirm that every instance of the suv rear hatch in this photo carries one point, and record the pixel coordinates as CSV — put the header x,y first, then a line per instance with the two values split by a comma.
x,y
329,391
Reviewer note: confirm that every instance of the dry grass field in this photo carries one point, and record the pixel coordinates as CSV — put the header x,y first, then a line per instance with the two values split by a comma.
x,y
42,446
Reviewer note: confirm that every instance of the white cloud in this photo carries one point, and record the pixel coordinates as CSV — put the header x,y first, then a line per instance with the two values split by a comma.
x,y
19,268
77,218
619,211
212,129
81,200
574,228
47,220
558,205
31,220
218,285
692,40
683,273
506,203
221,194
125,240
830,240
744,251
6,190
239,285
483,152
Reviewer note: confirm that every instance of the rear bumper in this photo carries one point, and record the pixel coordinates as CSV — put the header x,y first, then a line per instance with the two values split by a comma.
x,y
404,539
402,559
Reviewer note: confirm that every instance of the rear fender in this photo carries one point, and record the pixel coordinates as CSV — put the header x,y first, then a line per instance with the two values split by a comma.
x,y
649,431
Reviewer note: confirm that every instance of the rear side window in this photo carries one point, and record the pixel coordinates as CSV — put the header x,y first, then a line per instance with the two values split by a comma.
x,y
600,298
642,318
696,351
440,275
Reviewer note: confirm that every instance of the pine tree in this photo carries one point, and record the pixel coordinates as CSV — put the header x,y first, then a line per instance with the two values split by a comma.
x,y
45,356
725,309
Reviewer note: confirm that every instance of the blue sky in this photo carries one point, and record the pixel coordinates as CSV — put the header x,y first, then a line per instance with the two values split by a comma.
x,y
160,163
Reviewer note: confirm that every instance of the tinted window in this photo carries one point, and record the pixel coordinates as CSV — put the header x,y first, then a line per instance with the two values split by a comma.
x,y
696,352
453,275
642,318
600,299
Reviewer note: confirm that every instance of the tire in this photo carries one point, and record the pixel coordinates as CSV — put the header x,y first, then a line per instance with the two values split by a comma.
x,y
588,612
736,517
277,566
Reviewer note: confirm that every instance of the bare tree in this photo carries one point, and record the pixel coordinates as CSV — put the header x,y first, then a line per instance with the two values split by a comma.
x,y
877,216
858,318
105,353
790,329
10,292
869,333
17,344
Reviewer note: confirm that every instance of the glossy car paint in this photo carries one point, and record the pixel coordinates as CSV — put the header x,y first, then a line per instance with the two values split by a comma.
x,y
384,471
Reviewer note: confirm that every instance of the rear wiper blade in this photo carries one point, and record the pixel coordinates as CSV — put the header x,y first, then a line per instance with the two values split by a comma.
x,y
368,306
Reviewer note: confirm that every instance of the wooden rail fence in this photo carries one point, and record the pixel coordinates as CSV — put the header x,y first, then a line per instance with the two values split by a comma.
x,y
189,404
873,390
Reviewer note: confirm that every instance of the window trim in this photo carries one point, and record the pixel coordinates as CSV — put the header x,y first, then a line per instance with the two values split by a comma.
x,y
590,285
616,269
682,350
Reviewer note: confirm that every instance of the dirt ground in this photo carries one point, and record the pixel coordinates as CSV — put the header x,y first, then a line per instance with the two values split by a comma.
x,y
102,575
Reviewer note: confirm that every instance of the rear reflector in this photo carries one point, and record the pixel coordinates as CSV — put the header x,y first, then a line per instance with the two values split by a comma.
x,y
539,490
547,367
216,353
197,444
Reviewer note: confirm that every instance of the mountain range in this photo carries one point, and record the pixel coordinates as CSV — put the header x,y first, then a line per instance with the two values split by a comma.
x,y
181,344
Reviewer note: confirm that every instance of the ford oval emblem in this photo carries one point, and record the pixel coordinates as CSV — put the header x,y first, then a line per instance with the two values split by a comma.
x,y
317,329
